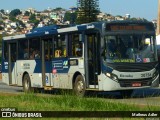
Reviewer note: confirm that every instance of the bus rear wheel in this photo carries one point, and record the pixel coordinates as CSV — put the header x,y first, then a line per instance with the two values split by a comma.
x,y
27,84
79,86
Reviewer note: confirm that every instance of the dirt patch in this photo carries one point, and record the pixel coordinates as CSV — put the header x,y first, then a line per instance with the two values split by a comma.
x,y
7,94
0,76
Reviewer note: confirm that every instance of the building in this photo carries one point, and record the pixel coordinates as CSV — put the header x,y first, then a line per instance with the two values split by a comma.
x,y
101,16
31,10
55,16
73,9
119,18
127,16
25,19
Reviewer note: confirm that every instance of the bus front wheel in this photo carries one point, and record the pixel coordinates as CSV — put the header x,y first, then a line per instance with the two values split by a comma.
x,y
27,84
79,86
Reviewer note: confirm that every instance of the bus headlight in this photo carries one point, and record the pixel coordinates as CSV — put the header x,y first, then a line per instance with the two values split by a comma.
x,y
112,76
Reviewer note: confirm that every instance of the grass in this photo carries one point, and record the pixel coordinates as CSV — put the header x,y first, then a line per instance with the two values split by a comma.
x,y
40,102
43,102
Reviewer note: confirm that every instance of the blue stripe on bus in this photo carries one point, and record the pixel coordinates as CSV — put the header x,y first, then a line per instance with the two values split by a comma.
x,y
38,66
61,65
80,28
4,67
48,66
43,31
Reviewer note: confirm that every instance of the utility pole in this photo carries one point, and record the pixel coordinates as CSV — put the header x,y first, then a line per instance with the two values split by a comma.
x,y
158,19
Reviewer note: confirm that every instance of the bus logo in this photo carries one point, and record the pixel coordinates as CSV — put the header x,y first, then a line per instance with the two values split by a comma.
x,y
65,64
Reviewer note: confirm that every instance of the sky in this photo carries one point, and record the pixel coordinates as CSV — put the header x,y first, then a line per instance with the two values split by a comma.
x,y
147,9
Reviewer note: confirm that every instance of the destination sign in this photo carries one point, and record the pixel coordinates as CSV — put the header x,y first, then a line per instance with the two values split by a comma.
x,y
124,60
129,27
137,27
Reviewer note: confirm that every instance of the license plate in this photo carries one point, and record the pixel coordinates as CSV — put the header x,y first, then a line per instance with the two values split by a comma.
x,y
136,85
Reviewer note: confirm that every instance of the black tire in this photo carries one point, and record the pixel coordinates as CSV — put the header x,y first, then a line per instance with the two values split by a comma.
x,y
126,93
79,87
27,84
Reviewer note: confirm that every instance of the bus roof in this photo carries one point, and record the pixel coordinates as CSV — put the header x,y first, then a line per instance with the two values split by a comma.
x,y
57,29
14,37
54,29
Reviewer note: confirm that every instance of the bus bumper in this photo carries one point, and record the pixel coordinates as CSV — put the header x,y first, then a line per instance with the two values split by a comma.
x,y
108,84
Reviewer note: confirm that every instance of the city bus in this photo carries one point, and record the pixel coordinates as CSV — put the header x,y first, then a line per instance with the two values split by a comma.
x,y
100,56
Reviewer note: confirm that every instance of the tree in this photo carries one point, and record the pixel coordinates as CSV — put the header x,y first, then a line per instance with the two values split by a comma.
x,y
20,23
70,17
15,12
2,11
58,9
26,13
119,16
36,22
87,11
1,41
12,18
1,28
32,17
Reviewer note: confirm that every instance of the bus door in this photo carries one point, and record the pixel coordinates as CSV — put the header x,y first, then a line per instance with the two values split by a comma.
x,y
92,59
47,61
12,65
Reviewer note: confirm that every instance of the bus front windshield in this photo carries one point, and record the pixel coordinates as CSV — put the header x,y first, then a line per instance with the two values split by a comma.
x,y
129,48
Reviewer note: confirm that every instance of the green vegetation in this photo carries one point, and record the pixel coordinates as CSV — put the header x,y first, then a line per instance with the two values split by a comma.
x,y
2,11
65,102
0,48
87,11
57,9
33,19
70,17
15,12
37,102
27,13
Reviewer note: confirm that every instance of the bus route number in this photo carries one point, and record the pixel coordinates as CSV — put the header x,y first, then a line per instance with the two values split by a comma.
x,y
146,75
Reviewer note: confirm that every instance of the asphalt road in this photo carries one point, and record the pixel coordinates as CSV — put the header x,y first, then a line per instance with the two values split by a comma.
x,y
140,97
9,89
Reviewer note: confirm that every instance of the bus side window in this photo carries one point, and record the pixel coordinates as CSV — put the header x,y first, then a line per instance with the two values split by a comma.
x,y
78,50
13,52
58,53
26,55
23,52
5,51
48,47
60,46
34,48
75,48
